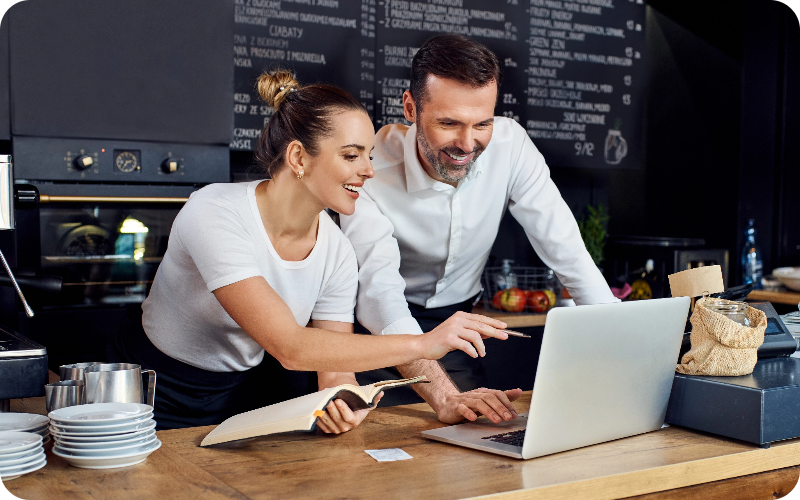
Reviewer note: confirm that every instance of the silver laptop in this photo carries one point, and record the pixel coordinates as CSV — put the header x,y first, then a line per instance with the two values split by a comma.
x,y
605,372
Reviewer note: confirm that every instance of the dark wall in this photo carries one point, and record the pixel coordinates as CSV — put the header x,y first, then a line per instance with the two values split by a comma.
x,y
151,70
761,100
787,248
721,112
692,140
734,84
770,149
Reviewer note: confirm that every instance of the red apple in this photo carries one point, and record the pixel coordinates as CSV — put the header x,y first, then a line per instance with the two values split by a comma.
x,y
510,299
538,301
497,300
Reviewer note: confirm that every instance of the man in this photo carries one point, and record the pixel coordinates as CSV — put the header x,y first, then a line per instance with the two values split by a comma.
x,y
425,224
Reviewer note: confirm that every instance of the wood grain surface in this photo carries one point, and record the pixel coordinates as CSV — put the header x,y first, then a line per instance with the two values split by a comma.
x,y
782,297
764,486
318,466
513,320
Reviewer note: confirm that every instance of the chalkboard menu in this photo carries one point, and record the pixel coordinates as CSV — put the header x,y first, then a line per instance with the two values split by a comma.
x,y
584,81
572,70
321,41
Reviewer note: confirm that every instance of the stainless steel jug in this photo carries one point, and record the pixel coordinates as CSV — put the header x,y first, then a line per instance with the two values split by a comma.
x,y
65,393
75,370
119,383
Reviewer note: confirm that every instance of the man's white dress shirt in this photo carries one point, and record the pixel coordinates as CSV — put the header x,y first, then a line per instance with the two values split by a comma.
x,y
427,242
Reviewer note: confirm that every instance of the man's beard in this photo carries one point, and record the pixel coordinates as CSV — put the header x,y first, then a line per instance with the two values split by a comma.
x,y
448,172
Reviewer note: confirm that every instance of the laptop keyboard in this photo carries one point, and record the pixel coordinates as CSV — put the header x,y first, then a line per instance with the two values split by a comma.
x,y
510,438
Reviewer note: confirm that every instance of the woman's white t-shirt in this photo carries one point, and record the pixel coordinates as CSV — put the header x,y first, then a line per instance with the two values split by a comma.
x,y
217,239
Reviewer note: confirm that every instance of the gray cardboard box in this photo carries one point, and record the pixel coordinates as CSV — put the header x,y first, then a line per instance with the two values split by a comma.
x,y
759,408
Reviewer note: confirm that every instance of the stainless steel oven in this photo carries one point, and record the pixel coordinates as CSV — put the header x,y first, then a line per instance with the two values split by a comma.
x,y
103,229
105,211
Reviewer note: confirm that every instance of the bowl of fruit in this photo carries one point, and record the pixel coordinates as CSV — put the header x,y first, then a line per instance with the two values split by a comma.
x,y
517,300
520,289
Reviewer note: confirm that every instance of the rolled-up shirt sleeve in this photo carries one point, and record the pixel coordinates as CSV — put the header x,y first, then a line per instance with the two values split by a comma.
x,y
381,305
536,203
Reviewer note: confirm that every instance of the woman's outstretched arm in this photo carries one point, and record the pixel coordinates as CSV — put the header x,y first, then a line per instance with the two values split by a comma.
x,y
261,312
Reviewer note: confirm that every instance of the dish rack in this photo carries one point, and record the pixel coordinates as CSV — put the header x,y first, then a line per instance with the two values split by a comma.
x,y
528,278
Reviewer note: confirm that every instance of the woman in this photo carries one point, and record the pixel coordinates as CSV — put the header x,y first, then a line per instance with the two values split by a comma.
x,y
249,265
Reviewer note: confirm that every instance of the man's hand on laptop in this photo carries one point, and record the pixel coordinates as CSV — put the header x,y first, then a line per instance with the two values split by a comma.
x,y
496,405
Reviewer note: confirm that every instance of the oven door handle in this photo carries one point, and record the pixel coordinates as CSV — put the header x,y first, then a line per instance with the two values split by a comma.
x,y
46,198
42,284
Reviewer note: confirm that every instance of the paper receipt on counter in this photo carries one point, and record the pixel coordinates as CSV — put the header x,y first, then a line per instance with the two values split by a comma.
x,y
388,454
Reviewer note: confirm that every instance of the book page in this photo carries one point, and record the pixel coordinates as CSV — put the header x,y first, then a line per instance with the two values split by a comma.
x,y
293,412
304,406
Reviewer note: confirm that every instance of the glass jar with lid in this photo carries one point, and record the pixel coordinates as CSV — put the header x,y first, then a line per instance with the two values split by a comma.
x,y
735,311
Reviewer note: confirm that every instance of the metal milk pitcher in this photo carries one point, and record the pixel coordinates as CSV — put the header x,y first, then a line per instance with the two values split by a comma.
x,y
119,383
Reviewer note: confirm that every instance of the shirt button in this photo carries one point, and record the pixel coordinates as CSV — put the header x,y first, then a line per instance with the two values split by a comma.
x,y
455,231
451,260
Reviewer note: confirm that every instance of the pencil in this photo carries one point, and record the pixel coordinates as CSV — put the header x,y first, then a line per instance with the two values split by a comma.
x,y
516,334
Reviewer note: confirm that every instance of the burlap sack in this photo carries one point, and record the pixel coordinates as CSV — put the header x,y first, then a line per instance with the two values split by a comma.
x,y
721,346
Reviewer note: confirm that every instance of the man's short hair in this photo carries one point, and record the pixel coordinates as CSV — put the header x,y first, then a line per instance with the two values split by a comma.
x,y
455,57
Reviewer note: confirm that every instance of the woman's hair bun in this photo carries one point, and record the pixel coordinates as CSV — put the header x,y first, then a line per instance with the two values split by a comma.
x,y
274,86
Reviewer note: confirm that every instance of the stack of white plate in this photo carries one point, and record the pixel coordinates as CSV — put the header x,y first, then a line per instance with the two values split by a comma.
x,y
26,422
104,435
792,322
20,453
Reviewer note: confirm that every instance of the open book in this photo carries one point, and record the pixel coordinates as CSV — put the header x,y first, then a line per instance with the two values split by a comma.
x,y
300,414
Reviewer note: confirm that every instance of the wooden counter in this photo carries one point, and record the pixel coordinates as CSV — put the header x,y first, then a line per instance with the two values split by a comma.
x,y
778,297
318,466
513,320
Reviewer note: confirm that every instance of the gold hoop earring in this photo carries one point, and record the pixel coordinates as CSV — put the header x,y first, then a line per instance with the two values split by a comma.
x,y
300,175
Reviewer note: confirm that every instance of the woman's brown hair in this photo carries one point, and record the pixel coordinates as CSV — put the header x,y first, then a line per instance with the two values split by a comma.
x,y
301,113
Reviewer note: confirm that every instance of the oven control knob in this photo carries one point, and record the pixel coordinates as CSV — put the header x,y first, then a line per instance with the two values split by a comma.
x,y
83,162
170,165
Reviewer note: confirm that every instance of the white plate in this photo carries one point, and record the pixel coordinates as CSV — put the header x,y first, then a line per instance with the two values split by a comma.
x,y
96,445
100,413
44,431
88,438
18,454
12,441
103,429
15,469
27,454
107,452
38,430
102,425
93,428
22,422
17,462
108,462
31,468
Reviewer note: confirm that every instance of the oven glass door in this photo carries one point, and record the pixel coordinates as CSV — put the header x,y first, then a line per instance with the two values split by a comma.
x,y
106,253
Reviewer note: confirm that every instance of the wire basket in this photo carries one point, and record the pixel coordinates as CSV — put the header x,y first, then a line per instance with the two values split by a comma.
x,y
528,278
